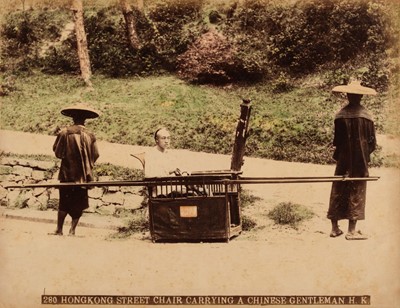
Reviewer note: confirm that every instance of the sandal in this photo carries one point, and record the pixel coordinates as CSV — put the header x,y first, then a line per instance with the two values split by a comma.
x,y
336,233
55,233
356,236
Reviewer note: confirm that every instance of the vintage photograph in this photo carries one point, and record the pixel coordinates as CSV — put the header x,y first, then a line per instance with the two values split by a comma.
x,y
188,153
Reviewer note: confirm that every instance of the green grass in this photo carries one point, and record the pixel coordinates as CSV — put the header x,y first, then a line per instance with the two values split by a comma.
x,y
287,213
131,108
292,126
138,222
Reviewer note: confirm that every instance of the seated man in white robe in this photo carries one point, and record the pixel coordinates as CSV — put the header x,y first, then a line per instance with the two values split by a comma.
x,y
162,162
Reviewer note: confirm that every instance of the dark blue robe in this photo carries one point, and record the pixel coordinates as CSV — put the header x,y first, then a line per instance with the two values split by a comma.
x,y
354,141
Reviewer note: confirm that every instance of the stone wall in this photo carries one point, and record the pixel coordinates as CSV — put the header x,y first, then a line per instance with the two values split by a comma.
x,y
103,200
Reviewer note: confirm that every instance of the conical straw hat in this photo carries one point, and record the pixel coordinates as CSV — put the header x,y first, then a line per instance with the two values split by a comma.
x,y
80,111
354,87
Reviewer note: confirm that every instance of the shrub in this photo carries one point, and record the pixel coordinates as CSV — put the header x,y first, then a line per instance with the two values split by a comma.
x,y
249,28
139,222
246,200
248,223
251,58
175,25
287,213
208,60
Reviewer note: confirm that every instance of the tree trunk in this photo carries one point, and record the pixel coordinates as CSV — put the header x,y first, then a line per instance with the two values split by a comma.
x,y
130,25
241,136
83,52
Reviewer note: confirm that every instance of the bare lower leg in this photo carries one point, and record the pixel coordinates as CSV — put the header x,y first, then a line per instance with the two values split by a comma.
x,y
74,223
352,226
335,229
335,225
60,222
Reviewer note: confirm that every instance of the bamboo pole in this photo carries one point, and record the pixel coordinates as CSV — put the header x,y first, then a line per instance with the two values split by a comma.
x,y
198,180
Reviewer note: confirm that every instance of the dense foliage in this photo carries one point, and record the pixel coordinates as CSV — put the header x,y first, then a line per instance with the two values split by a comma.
x,y
209,60
164,31
23,35
229,41
312,35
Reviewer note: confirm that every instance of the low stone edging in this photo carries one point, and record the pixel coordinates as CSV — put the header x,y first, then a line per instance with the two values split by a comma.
x,y
103,200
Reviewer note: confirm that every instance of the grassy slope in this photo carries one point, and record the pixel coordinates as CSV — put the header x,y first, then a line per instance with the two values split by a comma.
x,y
131,108
140,103
201,118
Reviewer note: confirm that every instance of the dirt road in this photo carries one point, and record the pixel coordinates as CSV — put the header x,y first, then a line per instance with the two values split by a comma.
x,y
34,264
269,260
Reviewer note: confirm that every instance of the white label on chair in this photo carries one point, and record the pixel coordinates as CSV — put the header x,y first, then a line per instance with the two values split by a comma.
x,y
188,211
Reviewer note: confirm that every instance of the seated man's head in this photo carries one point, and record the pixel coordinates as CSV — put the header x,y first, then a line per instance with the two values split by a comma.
x,y
162,138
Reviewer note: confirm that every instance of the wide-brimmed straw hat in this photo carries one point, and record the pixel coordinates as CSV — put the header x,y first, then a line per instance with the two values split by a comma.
x,y
354,87
80,111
